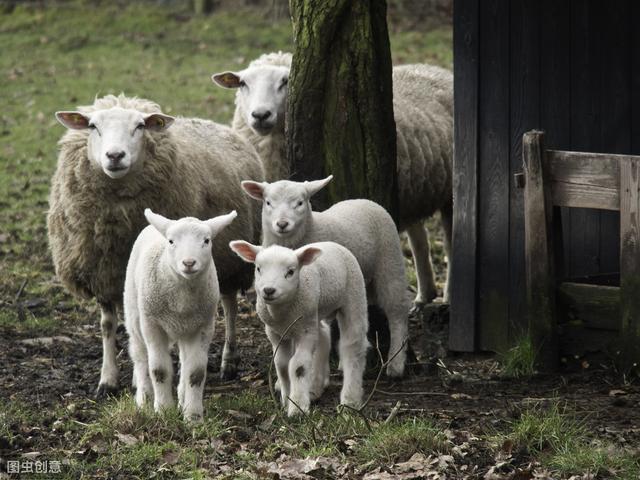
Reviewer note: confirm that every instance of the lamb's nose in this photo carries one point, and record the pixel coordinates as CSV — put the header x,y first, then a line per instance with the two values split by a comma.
x,y
115,156
261,114
282,224
268,291
189,262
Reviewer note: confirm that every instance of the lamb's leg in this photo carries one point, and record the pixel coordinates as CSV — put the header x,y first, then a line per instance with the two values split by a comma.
x,y
141,380
446,216
281,360
321,362
160,365
109,374
193,371
301,371
353,352
230,359
419,243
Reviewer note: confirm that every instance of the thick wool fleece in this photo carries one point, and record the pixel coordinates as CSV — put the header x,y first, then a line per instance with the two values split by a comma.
x,y
194,168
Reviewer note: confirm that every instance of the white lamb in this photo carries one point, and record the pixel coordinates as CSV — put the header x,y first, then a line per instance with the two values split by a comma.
x,y
296,290
423,111
171,295
362,226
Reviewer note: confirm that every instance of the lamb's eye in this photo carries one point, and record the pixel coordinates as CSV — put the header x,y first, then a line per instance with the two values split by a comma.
x,y
206,241
170,242
289,273
268,203
299,203
140,126
258,269
284,82
91,126
242,83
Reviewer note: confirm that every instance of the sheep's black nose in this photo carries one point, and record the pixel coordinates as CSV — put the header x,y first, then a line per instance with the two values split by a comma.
x,y
115,156
268,291
189,262
282,224
261,114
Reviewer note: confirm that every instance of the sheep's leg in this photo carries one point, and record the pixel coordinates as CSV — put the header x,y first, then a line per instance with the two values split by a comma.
x,y
419,243
281,360
141,380
109,374
446,216
160,365
230,359
321,362
301,371
353,352
193,371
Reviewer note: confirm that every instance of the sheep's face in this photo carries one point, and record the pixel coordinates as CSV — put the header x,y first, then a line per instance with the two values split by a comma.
x,y
261,96
189,241
116,136
286,205
277,274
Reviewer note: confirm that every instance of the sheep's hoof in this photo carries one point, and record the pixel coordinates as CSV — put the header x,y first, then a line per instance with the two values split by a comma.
x,y
417,308
105,390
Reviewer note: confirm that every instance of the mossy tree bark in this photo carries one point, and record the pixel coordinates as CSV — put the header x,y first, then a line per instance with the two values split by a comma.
x,y
340,112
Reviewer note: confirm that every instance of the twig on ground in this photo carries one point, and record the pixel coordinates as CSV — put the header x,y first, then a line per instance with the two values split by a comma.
x,y
367,422
394,412
382,367
434,394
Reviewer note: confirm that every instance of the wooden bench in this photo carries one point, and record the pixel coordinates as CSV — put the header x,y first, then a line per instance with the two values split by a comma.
x,y
554,179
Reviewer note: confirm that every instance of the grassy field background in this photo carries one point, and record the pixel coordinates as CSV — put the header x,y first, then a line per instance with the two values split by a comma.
x,y
58,58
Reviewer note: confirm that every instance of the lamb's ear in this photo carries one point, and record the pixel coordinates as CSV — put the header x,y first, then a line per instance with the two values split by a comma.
x,y
307,255
159,222
218,223
226,79
245,250
315,186
73,120
158,122
254,189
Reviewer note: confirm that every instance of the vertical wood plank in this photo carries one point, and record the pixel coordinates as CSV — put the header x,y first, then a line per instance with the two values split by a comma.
x,y
462,327
635,78
493,212
525,100
614,53
539,254
583,250
630,261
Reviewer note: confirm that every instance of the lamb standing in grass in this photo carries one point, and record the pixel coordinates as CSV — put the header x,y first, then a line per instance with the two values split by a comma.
x,y
423,111
362,226
296,290
121,155
171,295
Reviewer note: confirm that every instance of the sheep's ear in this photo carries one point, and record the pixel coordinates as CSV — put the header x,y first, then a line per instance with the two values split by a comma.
x,y
73,120
254,189
218,223
159,222
307,255
315,186
226,79
245,250
158,122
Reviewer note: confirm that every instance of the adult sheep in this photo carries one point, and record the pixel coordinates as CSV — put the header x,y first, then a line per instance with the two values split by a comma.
x,y
121,155
423,110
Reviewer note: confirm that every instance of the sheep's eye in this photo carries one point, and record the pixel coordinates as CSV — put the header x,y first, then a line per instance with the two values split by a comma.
x,y
268,203
91,126
284,82
289,273
140,126
206,241
300,203
242,83
258,269
170,242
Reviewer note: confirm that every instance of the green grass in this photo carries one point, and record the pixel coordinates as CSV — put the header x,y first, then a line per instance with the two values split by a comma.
x,y
561,441
520,360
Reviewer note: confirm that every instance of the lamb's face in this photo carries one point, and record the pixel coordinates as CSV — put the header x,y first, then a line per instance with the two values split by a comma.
x,y
261,97
189,247
116,136
277,274
286,205
189,240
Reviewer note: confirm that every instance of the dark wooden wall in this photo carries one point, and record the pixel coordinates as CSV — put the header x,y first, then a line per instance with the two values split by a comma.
x,y
568,67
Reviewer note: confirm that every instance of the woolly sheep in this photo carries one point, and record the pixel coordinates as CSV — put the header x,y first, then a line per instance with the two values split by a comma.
x,y
171,295
123,154
296,290
362,226
423,110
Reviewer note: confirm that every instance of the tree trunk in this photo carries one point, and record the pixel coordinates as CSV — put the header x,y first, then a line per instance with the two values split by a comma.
x,y
340,112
